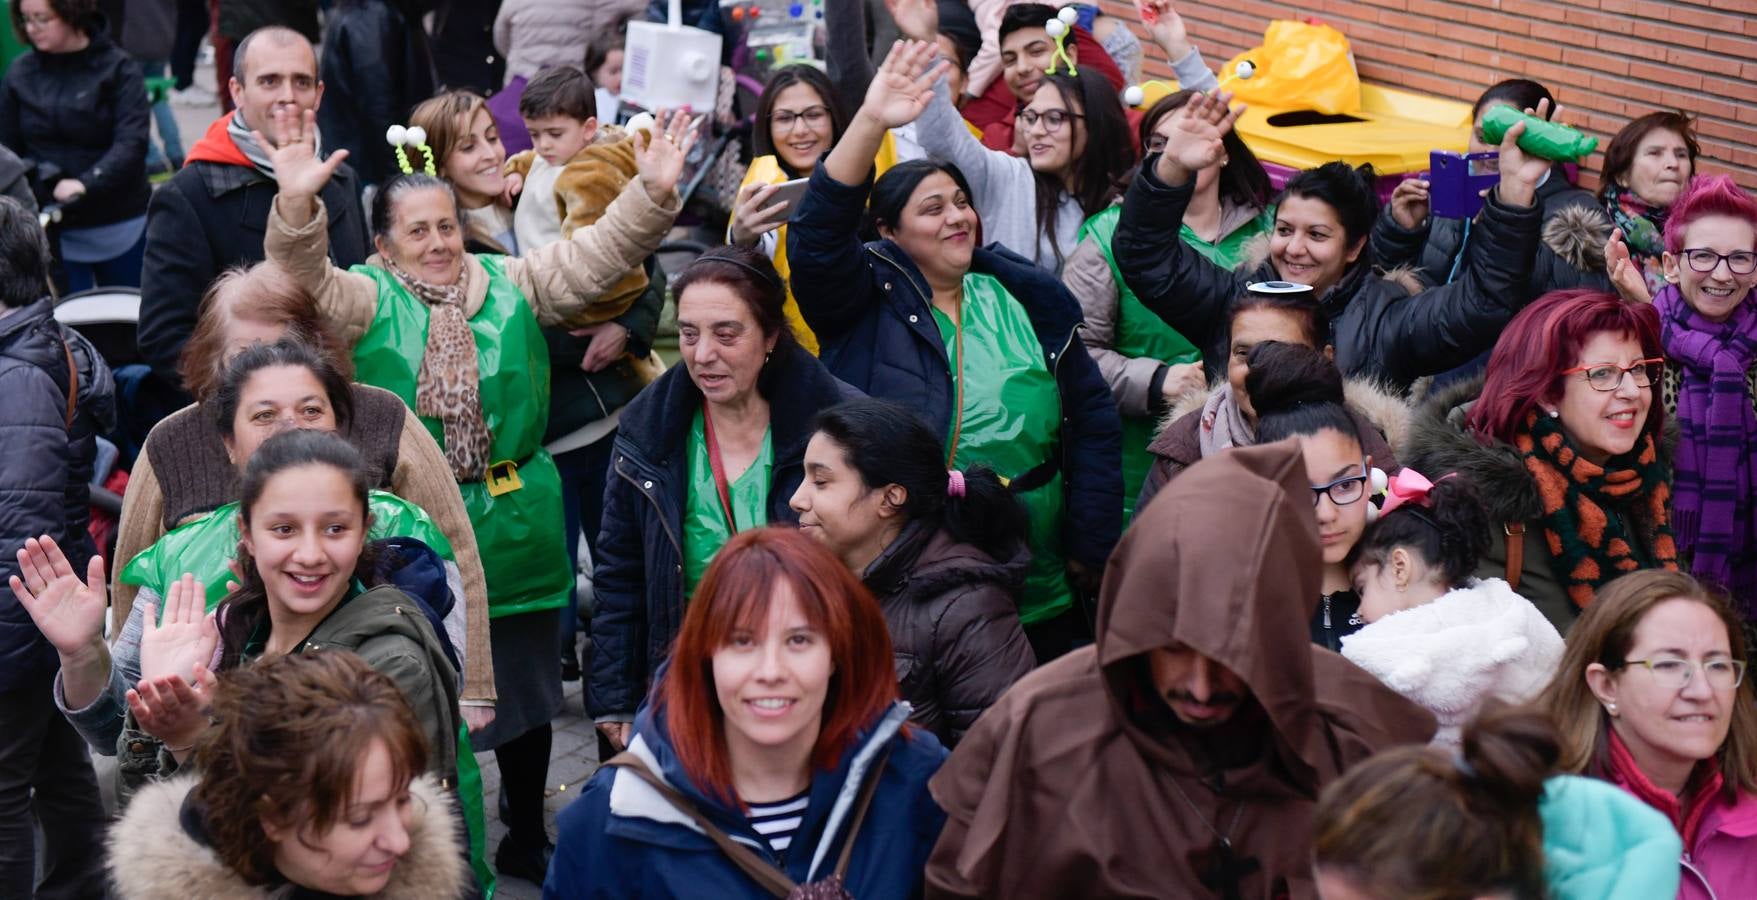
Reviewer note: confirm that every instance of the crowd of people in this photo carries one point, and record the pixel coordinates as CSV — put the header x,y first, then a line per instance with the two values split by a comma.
x,y
1039,502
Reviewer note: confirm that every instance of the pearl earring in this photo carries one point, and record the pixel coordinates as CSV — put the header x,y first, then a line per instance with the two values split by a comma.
x,y
1555,413
1611,708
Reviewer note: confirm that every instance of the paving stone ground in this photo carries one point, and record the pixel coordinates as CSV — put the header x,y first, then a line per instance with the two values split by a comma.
x,y
572,759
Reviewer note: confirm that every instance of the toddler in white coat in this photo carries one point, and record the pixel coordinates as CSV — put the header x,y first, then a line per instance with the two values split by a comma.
x,y
1436,634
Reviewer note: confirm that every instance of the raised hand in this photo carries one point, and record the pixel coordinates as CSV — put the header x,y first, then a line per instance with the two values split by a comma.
x,y
181,639
1167,27
1195,142
298,171
904,84
1520,171
1626,276
917,19
174,710
659,154
1409,203
69,612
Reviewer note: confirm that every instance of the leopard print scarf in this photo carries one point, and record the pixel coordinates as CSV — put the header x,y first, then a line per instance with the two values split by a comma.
x,y
447,387
1585,535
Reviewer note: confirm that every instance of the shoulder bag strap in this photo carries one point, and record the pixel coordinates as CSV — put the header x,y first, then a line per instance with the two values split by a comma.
x,y
72,383
720,483
760,870
866,792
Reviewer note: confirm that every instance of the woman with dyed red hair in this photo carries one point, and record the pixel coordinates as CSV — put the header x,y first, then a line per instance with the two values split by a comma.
x,y
1563,443
1708,324
773,753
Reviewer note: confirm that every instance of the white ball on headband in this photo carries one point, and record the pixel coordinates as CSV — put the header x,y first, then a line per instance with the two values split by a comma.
x,y
1245,69
1055,27
397,135
1134,95
643,121
417,135
1069,15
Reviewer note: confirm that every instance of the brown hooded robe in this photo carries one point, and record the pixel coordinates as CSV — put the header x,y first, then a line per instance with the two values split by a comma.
x,y
1069,786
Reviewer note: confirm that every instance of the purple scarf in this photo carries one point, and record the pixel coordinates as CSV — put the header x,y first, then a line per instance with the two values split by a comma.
x,y
1712,510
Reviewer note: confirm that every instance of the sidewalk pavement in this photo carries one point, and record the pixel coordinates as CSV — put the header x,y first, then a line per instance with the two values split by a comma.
x,y
572,759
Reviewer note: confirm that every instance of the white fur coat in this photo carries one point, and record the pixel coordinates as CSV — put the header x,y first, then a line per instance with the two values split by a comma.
x,y
1469,645
152,858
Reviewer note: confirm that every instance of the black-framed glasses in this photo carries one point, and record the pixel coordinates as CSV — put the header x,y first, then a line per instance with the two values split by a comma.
x,y
1738,262
814,116
1675,673
1053,120
1342,491
1609,376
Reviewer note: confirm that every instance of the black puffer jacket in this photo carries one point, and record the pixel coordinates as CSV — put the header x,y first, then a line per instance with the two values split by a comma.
x,y
240,17
45,480
86,113
954,618
1575,228
1379,329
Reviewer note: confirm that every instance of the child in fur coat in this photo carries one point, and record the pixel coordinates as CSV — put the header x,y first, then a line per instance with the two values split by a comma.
x,y
1436,634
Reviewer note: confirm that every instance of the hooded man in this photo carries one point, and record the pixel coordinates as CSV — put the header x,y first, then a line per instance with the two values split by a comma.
x,y
1182,755
213,214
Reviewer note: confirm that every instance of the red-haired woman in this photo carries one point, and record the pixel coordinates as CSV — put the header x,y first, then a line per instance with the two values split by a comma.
x,y
1708,324
774,752
1564,445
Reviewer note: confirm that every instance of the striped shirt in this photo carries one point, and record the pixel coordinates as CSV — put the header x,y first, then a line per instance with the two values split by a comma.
x,y
777,821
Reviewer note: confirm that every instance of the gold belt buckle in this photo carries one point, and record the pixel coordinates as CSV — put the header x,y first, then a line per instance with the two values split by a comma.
x,y
503,478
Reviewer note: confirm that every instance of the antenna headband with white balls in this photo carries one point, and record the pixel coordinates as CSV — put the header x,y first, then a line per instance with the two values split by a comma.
x,y
413,136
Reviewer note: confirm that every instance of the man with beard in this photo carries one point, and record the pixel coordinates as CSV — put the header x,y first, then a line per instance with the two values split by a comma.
x,y
1182,755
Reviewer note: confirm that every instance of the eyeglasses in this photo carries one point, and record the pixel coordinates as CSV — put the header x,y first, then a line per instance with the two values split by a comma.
x,y
41,21
1342,491
1609,376
1053,120
783,119
1672,672
1739,262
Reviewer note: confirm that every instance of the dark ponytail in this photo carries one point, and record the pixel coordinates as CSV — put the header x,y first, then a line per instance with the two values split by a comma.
x,y
1449,532
1437,822
246,609
1351,191
888,444
1296,392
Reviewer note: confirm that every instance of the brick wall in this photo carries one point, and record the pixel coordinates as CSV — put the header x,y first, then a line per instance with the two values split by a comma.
x,y
1607,61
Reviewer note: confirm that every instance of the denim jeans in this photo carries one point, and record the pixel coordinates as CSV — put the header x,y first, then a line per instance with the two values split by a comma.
x,y
46,781
172,153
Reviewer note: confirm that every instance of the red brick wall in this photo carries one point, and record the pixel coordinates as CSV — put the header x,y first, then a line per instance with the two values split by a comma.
x,y
1607,61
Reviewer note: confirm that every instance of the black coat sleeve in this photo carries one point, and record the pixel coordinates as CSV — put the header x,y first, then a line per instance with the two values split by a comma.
x,y
845,52
1178,284
1092,439
130,128
642,318
178,267
831,281
619,621
1394,246
1445,327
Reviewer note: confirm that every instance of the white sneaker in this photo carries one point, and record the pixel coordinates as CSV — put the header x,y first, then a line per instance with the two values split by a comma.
x,y
194,95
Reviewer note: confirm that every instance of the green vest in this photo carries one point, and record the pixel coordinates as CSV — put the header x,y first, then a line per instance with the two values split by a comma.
x,y
1141,333
705,529
206,546
519,533
1011,422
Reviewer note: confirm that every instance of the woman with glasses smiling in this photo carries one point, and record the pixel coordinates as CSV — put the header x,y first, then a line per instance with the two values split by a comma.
x,y
1651,696
1708,324
1297,393
1564,444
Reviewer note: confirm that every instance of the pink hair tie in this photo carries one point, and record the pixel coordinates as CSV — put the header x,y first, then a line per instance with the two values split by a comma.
x,y
954,483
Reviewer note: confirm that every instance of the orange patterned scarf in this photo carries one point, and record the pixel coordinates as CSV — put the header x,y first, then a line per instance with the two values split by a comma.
x,y
1589,510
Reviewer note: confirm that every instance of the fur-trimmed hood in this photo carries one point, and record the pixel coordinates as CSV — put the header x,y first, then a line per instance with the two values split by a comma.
x,y
1478,642
1577,234
152,857
1380,404
1436,443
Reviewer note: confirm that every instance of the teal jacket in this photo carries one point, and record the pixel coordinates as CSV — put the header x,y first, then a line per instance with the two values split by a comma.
x,y
1601,843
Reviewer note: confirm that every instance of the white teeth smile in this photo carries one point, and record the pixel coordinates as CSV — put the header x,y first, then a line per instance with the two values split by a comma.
x,y
1695,718
771,704
1718,292
308,579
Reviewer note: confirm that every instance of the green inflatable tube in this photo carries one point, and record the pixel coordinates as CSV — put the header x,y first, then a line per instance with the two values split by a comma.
x,y
1546,140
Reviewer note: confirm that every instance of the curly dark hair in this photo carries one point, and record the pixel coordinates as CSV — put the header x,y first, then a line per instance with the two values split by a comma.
x,y
289,734
82,15
1450,532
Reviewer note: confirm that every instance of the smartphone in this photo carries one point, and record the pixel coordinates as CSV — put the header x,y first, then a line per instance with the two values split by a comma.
x,y
788,192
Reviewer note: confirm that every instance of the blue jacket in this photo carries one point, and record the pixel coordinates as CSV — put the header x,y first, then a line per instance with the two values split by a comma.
x,y
45,481
621,839
637,582
1601,843
871,311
